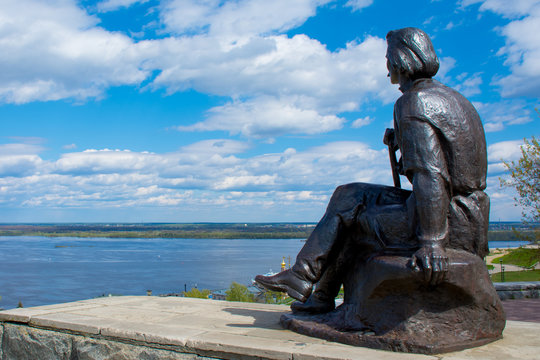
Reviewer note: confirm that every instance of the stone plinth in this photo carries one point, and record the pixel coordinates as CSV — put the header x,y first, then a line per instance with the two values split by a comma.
x,y
182,328
389,306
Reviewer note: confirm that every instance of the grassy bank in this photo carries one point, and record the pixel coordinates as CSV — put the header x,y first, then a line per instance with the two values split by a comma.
x,y
523,257
529,275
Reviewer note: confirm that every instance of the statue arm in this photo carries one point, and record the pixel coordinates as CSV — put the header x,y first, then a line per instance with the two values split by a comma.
x,y
425,166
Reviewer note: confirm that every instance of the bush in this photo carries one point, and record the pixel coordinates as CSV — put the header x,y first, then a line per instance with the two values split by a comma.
x,y
239,292
196,293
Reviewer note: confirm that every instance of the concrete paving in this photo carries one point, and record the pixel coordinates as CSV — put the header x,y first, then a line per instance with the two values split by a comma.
x,y
212,329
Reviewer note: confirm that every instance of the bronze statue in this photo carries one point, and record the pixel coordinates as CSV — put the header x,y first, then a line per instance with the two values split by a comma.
x,y
410,261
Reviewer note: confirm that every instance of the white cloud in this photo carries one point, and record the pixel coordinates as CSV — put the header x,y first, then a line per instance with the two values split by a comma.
x,y
522,47
469,85
358,123
497,116
111,5
19,165
358,5
503,151
234,20
208,172
506,150
54,50
266,117
211,176
446,65
502,204
106,161
18,160
281,84
276,66
20,149
522,52
506,8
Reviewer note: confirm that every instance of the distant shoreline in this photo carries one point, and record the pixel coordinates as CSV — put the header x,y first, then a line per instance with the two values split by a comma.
x,y
166,231
499,231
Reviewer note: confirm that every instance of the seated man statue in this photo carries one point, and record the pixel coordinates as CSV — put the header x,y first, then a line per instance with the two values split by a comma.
x,y
443,154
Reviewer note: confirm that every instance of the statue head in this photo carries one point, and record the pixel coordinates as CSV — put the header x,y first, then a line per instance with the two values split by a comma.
x,y
411,54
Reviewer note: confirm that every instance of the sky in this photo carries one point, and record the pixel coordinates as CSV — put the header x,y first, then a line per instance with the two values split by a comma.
x,y
236,110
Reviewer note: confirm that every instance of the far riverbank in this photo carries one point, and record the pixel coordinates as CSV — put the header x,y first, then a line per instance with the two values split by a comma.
x,y
498,231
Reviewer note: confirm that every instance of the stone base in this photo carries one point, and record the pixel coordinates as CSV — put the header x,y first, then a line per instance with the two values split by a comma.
x,y
388,306
148,327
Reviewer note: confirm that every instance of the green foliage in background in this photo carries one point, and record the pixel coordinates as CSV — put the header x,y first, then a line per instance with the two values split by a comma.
x,y
239,292
196,293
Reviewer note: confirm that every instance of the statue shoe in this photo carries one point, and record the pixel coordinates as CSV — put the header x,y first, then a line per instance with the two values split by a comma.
x,y
287,281
315,304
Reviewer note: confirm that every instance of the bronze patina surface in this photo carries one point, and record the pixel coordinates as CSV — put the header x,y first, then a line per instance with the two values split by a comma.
x,y
410,261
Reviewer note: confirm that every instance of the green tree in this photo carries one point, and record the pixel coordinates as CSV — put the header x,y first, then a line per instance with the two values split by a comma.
x,y
525,178
273,297
239,292
196,293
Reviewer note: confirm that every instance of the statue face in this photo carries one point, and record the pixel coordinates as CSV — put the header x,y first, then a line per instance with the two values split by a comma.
x,y
392,73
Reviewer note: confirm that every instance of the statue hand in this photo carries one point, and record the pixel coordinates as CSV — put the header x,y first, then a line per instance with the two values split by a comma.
x,y
433,260
389,139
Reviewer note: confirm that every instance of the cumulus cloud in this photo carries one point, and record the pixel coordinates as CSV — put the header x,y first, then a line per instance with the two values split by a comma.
x,y
508,9
210,175
106,161
502,205
277,79
208,172
503,151
358,123
19,160
234,20
497,116
54,50
469,85
446,65
110,5
522,47
264,117
358,5
502,199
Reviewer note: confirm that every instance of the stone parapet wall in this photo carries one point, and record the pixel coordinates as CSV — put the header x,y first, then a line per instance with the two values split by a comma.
x,y
23,342
518,290
149,327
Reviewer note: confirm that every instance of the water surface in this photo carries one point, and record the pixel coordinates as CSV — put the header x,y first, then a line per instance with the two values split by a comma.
x,y
41,270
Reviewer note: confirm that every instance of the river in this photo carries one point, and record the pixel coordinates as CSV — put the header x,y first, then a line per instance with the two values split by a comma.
x,y
41,270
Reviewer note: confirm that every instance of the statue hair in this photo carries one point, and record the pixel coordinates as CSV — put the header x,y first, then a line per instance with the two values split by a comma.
x,y
410,51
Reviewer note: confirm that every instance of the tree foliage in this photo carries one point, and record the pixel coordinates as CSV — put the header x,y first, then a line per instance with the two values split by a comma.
x,y
196,293
239,292
525,178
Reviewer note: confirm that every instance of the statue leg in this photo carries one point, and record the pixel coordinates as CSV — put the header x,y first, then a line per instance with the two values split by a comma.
x,y
324,244
322,300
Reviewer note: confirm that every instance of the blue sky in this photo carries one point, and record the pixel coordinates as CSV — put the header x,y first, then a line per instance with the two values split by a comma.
x,y
235,111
